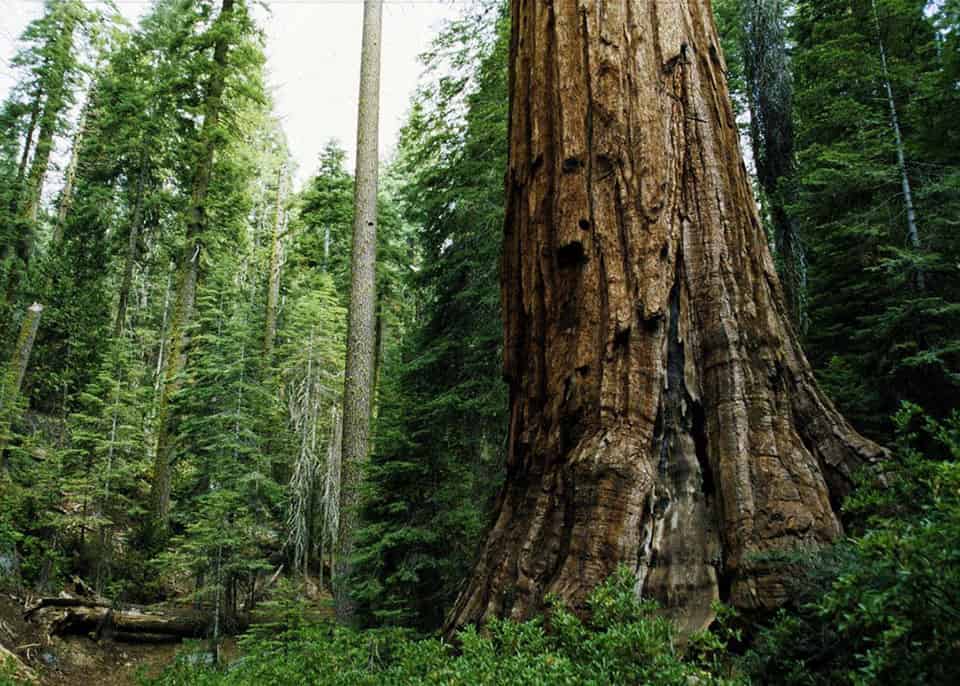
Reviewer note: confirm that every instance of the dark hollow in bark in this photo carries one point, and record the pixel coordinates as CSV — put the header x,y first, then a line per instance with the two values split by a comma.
x,y
662,414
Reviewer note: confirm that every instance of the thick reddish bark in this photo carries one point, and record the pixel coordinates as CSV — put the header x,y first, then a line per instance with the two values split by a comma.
x,y
662,413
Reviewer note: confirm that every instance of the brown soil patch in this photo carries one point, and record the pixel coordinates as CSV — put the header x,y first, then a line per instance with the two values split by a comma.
x,y
74,660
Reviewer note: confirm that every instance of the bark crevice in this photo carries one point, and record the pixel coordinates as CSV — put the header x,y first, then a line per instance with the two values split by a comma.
x,y
662,413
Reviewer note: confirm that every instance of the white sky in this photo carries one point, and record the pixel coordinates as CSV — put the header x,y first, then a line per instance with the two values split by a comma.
x,y
313,58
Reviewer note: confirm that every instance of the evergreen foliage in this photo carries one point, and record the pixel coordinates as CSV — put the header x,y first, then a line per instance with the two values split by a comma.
x,y
875,334
881,608
104,469
32,117
254,431
440,434
622,642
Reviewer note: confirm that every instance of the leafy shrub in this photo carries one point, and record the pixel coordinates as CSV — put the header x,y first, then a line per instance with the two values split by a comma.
x,y
884,606
624,641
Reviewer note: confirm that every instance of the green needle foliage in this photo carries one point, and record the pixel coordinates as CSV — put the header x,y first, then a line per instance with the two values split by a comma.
x,y
437,462
251,418
877,336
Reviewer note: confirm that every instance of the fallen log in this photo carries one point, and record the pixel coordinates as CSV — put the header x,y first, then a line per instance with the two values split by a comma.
x,y
62,601
135,637
108,623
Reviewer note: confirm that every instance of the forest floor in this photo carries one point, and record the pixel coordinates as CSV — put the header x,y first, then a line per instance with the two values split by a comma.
x,y
77,660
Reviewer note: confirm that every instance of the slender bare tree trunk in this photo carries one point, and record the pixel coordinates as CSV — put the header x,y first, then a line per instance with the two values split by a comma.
x,y
326,246
37,174
662,414
21,355
28,144
273,284
133,251
189,274
913,234
358,384
16,370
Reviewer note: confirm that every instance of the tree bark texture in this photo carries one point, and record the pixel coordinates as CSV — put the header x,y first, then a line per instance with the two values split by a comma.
x,y
662,413
125,624
361,344
188,277
21,356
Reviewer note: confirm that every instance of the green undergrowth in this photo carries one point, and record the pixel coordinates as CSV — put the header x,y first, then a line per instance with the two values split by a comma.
x,y
881,606
623,641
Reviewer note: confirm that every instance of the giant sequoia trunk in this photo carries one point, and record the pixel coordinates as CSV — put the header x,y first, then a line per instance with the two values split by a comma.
x,y
662,414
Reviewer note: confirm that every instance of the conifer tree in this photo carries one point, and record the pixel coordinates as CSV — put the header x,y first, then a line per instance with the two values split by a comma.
x,y
442,415
662,413
359,370
312,374
876,337
231,501
105,468
770,98
34,118
326,209
228,31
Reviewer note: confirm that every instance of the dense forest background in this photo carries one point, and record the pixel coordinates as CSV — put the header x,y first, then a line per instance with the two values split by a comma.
x,y
173,324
